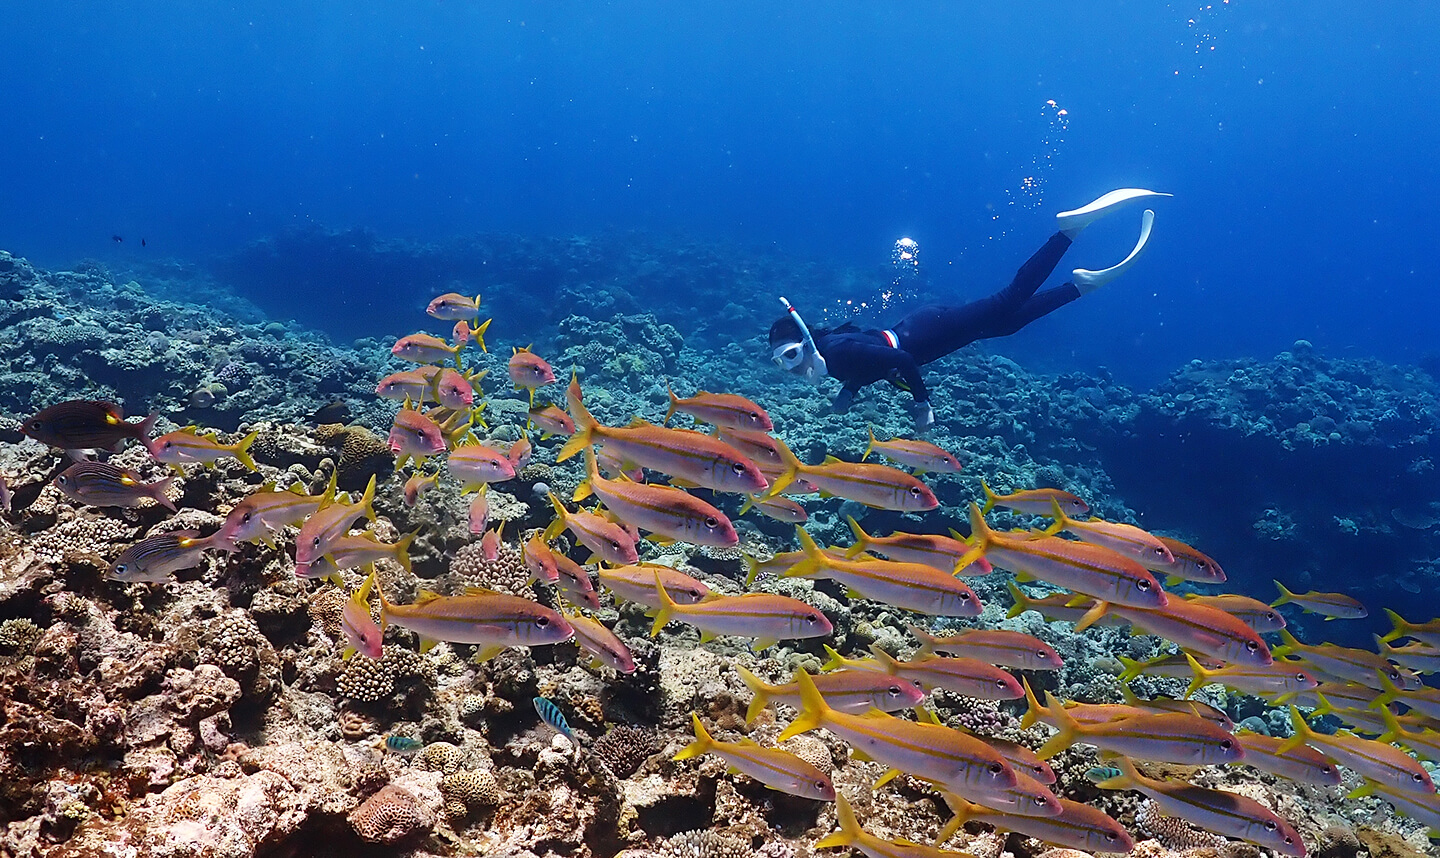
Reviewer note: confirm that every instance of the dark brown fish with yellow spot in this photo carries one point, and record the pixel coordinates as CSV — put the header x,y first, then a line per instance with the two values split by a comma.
x,y
84,424
104,484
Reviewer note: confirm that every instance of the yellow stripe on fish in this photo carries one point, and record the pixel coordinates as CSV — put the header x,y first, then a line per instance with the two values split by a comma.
x,y
775,768
912,586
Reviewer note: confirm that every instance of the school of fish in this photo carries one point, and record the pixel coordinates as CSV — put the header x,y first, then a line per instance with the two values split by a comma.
x,y
642,478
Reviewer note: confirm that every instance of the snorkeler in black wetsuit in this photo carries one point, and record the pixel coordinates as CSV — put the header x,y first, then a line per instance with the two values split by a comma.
x,y
859,357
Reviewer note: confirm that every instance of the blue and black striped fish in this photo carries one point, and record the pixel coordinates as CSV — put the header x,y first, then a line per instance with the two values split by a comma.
x,y
405,745
551,714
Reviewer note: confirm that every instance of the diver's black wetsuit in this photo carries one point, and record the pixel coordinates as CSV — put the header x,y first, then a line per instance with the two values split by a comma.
x,y
859,357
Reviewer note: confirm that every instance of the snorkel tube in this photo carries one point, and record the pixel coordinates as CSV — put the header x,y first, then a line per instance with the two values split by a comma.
x,y
815,369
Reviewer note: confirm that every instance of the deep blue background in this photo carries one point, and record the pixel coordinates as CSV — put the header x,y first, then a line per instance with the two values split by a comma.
x,y
1300,149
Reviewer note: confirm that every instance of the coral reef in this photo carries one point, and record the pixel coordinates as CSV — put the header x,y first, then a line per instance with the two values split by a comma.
x,y
214,716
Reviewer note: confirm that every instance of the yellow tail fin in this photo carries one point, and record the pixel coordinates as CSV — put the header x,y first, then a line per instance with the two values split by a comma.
x,y
702,744
813,558
761,691
1302,733
241,450
1022,601
869,448
1400,627
1066,725
674,404
812,708
862,539
849,826
1202,676
990,498
666,609
554,528
1286,597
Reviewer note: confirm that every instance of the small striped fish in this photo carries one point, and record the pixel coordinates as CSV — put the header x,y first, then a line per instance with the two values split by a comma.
x,y
551,714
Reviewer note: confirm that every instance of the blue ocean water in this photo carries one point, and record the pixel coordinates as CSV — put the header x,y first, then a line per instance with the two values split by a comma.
x,y
1296,138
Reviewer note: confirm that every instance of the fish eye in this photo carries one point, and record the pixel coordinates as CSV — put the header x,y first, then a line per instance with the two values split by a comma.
x,y
711,521
1252,646
245,519
1110,837
1270,825
62,479
997,768
1037,800
738,467
316,542
894,690
1042,654
999,683
1418,778
1300,677
915,491
1226,744
812,619
169,444
542,622
121,568
1142,585
37,425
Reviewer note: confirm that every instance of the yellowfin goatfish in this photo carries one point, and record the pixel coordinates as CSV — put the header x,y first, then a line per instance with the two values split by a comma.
x,y
1260,680
923,456
478,514
913,586
673,514
1189,707
1427,633
1207,631
574,583
964,676
932,549
463,333
1221,812
452,307
779,508
539,560
1057,607
852,691
1380,762
358,550
327,524
154,559
994,646
418,484
1034,501
597,639
424,348
852,836
453,390
720,409
1191,564
187,447
960,762
1424,809
1175,666
766,617
876,486
637,584
362,633
1078,566
414,436
760,448
412,384
687,456
777,769
1301,764
552,421
1425,700
519,453
84,424
1252,612
1078,826
262,514
104,484
1332,606
529,371
1166,737
1419,657
476,465
1117,536
1351,665
485,618
606,539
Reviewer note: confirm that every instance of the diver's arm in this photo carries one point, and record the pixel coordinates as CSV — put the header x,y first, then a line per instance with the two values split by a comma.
x,y
845,398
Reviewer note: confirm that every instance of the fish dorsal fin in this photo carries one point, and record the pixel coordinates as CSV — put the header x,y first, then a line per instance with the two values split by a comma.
x,y
426,597
482,591
831,460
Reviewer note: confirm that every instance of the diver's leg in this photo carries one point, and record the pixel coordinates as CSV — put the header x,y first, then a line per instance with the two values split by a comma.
x,y
936,330
1040,304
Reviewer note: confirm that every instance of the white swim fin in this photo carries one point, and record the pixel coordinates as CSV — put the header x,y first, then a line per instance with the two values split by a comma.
x,y
1073,221
1088,281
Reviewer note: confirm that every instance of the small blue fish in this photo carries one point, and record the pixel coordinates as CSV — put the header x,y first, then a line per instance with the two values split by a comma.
x,y
402,744
551,714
